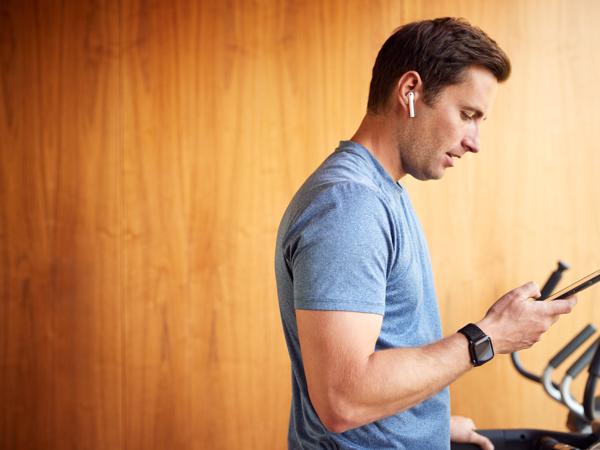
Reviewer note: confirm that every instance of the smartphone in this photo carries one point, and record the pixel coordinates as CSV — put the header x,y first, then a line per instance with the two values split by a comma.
x,y
578,286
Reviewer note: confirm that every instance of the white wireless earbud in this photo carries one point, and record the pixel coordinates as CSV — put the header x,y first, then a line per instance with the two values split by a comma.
x,y
411,104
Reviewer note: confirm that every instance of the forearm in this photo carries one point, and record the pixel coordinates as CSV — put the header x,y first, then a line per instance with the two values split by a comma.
x,y
350,385
393,380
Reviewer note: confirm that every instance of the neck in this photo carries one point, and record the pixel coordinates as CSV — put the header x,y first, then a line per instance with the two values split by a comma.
x,y
377,133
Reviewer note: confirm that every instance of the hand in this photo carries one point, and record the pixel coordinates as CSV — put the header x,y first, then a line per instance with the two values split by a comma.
x,y
462,430
516,322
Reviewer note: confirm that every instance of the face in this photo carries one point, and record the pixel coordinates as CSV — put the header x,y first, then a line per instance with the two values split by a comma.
x,y
442,133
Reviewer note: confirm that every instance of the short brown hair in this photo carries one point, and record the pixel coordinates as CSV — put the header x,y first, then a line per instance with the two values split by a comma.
x,y
439,50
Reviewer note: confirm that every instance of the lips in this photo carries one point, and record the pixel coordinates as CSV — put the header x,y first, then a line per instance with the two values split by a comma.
x,y
450,156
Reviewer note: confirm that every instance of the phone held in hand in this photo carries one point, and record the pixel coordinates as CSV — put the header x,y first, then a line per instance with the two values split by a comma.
x,y
576,287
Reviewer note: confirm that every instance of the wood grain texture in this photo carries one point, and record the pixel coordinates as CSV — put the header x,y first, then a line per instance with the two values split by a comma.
x,y
60,351
147,152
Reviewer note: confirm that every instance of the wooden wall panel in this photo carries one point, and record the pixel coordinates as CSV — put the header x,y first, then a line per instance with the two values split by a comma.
x,y
148,150
60,316
203,333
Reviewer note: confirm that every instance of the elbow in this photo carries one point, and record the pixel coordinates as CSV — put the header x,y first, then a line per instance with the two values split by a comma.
x,y
335,423
339,427
338,414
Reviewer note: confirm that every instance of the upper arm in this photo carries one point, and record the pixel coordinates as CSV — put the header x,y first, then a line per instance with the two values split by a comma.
x,y
339,252
335,347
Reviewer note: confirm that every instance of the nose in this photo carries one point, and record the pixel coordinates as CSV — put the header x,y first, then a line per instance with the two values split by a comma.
x,y
471,140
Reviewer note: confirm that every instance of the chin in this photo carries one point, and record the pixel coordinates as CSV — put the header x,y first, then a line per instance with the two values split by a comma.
x,y
427,173
430,176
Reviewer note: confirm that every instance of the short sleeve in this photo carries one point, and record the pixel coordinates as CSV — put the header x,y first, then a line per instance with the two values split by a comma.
x,y
339,250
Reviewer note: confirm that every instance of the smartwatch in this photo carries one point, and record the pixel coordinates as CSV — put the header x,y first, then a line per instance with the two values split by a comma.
x,y
480,344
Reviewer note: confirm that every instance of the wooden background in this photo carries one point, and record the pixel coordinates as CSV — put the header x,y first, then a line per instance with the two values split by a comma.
x,y
148,150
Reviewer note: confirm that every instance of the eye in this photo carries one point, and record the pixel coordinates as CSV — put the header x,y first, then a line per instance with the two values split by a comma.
x,y
466,116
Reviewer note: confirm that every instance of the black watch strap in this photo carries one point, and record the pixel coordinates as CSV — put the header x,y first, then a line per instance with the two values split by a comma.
x,y
472,332
480,344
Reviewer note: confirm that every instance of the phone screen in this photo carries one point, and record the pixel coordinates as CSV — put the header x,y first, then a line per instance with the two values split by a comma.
x,y
578,286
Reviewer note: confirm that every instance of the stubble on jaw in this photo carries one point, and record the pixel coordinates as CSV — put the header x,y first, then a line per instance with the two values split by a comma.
x,y
421,154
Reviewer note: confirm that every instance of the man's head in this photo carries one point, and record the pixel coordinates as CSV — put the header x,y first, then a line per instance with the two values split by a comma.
x,y
450,70
439,51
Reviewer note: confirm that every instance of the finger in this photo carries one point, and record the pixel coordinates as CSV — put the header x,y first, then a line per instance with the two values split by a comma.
x,y
481,440
561,306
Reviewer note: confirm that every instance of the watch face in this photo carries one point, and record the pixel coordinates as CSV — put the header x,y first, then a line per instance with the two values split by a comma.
x,y
483,349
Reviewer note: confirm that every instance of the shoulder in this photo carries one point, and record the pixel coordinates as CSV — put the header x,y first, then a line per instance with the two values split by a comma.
x,y
343,214
343,179
341,202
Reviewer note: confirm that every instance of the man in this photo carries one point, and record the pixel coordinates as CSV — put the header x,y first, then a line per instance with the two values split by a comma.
x,y
370,368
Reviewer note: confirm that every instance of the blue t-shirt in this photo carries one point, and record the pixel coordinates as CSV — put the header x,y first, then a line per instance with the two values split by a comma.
x,y
350,241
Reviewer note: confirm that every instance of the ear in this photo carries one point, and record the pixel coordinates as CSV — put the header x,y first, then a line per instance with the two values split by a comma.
x,y
409,82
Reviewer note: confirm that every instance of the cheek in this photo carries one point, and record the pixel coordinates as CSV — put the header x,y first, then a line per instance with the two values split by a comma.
x,y
451,132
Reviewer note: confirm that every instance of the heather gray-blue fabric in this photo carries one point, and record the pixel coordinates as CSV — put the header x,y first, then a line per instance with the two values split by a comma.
x,y
350,241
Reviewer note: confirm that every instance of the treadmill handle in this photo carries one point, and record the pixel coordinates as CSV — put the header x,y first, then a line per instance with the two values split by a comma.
x,y
590,386
573,345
